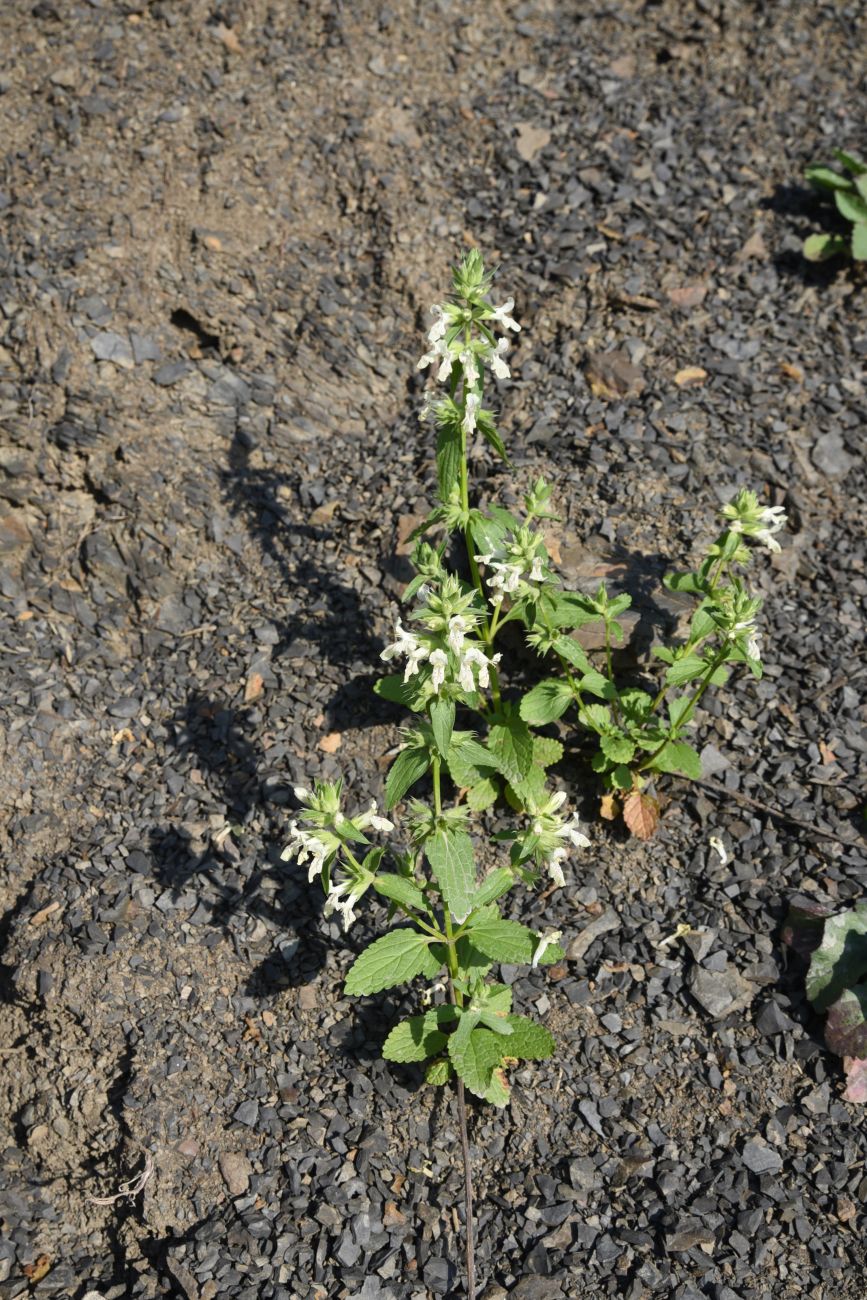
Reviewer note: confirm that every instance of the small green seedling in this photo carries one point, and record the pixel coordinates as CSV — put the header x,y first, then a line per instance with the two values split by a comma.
x,y
850,196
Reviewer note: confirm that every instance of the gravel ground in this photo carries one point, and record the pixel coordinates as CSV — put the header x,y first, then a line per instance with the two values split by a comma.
x,y
221,225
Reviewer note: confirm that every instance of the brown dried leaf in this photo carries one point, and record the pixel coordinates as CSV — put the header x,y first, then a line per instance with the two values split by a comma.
x,y
332,742
690,376
792,372
44,912
641,814
37,1270
227,37
608,807
828,755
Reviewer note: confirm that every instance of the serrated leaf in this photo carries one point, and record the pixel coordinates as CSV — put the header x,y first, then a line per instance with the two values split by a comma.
x,y
546,702
469,762
678,709
621,778
400,890
490,529
635,704
546,751
482,794
597,684
573,653
662,652
494,886
420,1036
678,756
509,941
397,957
703,625
619,749
496,1022
498,1092
531,789
439,1072
685,670
511,743
570,609
487,428
442,720
822,247
475,1056
686,582
409,767
529,1041
471,960
450,854
597,717
494,997
641,814
846,1027
448,457
394,688
840,960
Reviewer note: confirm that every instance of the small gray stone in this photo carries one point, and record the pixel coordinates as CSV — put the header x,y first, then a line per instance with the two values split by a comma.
x,y
536,1287
830,456
171,373
759,1158
109,346
247,1113
609,920
720,992
772,1020
144,348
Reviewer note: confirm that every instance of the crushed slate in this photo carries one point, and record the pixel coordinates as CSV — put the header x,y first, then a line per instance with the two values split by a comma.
x,y
217,254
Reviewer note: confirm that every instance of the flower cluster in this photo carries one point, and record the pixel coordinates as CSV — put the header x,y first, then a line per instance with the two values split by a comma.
x,y
446,644
518,568
546,841
331,833
736,615
752,520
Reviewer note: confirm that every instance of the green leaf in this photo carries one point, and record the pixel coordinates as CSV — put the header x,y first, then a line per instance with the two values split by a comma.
x,y
511,743
677,756
819,248
662,652
448,456
420,1036
450,854
597,717
619,749
826,179
530,790
494,997
499,882
687,582
573,653
545,702
685,670
397,957
482,794
635,704
621,778
394,688
597,685
861,185
859,242
678,709
469,762
496,1021
409,766
488,430
569,609
546,751
703,625
619,604
471,960
508,941
439,1072
852,164
490,529
475,1055
498,1091
840,961
442,719
529,1041
401,890
851,206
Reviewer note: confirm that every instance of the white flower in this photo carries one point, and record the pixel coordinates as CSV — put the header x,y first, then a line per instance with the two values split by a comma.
x,y
536,574
503,318
471,369
440,325
335,902
545,941
498,365
439,661
483,559
472,408
555,871
409,645
506,579
439,352
473,655
772,519
569,831
372,818
304,845
458,628
717,844
754,648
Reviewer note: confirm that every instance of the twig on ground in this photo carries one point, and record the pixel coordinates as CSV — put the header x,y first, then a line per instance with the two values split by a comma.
x,y
131,1188
749,802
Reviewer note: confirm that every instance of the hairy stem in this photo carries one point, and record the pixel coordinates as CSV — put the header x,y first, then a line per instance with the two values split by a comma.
x,y
715,663
457,1000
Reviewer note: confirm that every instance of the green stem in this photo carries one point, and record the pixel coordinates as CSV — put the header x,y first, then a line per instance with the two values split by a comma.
x,y
435,769
692,644
702,687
